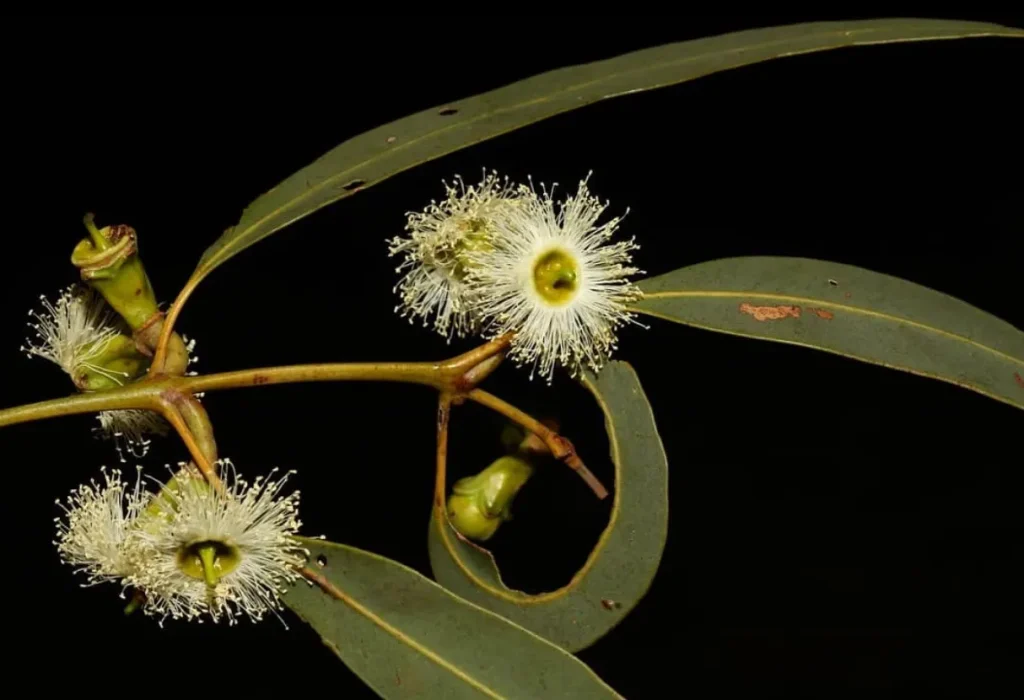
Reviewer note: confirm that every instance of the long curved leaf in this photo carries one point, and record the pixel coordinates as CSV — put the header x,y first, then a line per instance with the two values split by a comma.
x,y
378,154
619,570
849,311
408,637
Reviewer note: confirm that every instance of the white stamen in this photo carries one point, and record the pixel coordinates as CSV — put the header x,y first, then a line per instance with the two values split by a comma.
x,y
578,331
251,519
128,429
138,538
434,253
73,332
94,539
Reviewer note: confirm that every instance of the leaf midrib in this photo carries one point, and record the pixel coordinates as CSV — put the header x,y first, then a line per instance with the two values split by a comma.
x,y
402,638
413,644
830,304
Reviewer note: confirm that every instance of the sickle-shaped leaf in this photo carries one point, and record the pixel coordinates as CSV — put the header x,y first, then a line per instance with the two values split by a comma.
x,y
849,311
408,637
619,570
378,154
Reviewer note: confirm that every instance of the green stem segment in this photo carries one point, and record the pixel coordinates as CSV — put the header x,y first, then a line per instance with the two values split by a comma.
x,y
148,394
172,397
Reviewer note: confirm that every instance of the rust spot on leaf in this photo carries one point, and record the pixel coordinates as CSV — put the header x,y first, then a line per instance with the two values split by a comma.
x,y
822,313
260,379
769,313
1020,379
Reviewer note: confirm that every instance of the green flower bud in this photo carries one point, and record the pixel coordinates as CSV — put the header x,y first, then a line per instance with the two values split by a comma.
x,y
108,259
479,504
164,505
117,363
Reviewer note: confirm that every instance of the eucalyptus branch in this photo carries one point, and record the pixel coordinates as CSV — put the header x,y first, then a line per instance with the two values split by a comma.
x,y
147,394
142,395
456,378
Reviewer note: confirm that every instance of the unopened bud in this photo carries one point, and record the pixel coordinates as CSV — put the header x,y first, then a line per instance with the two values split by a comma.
x,y
479,504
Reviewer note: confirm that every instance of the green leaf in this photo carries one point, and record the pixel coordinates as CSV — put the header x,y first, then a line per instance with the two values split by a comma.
x,y
408,637
378,154
619,570
847,311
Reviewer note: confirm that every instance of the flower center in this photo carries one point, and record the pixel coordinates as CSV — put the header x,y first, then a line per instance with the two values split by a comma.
x,y
208,560
556,277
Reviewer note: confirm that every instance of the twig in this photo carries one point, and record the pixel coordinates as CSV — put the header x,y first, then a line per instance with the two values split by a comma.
x,y
174,418
444,411
559,446
160,354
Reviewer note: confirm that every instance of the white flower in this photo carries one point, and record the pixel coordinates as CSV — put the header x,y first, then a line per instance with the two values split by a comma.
x,y
128,429
95,536
221,554
73,332
435,249
554,280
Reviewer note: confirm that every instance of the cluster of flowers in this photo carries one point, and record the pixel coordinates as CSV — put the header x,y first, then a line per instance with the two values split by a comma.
x,y
493,259
496,258
188,550
74,332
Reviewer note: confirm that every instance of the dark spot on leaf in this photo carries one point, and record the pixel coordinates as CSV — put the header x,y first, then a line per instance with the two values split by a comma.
x,y
770,313
354,185
321,560
833,283
610,604
448,111
822,313
1020,379
138,291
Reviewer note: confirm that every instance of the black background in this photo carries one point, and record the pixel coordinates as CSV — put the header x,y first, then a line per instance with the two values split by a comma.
x,y
835,526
